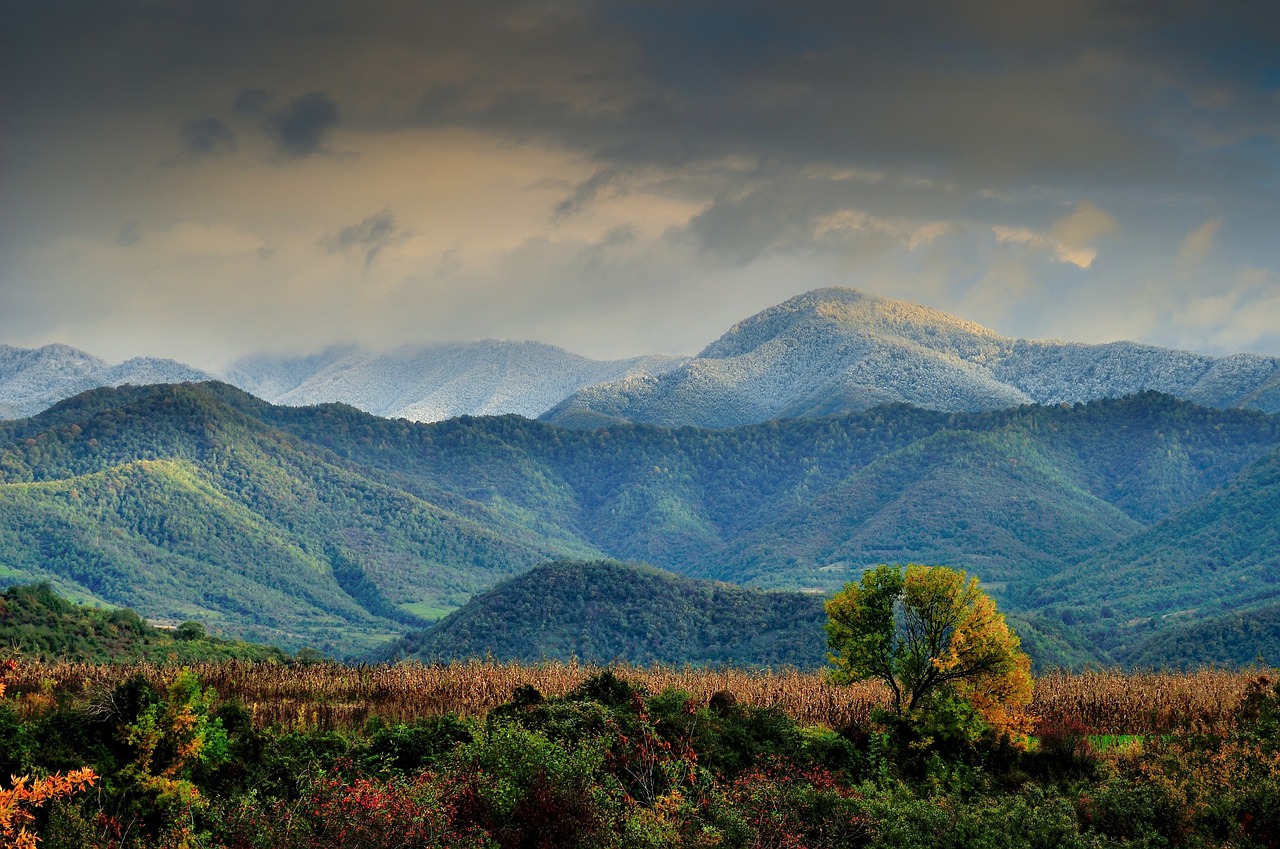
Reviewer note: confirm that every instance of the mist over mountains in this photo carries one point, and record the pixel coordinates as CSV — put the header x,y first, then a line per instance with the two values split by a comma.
x,y
436,382
827,352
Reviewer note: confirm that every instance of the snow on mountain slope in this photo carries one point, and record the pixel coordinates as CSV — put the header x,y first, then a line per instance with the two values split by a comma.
x,y
142,371
437,382
825,352
32,380
834,350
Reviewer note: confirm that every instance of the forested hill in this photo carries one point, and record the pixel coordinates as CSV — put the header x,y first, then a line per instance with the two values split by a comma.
x,y
601,611
330,527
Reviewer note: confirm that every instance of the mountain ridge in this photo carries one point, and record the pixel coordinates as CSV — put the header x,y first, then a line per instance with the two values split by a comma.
x,y
836,350
331,527
824,352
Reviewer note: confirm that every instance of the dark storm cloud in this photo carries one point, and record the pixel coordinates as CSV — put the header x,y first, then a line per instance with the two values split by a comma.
x,y
300,128
779,143
250,102
370,236
207,137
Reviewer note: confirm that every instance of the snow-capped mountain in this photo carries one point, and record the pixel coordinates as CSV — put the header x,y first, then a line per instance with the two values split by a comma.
x,y
824,352
835,350
34,379
440,381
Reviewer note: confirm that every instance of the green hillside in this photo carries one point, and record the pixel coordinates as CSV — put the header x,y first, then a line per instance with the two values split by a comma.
x,y
602,611
176,503
36,623
329,527
1216,558
1229,639
995,504
605,611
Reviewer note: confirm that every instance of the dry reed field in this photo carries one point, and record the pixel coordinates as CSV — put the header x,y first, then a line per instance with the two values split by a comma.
x,y
331,695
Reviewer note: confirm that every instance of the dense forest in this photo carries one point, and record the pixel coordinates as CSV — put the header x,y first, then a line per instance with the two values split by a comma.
x,y
346,530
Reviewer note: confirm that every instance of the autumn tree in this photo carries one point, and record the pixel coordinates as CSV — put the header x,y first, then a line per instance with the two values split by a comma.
x,y
930,633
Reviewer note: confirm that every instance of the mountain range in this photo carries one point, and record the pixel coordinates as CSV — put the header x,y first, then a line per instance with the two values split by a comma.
x,y
826,352
1117,520
31,380
836,350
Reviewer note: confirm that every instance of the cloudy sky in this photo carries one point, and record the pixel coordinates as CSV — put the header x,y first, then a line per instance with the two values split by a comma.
x,y
199,179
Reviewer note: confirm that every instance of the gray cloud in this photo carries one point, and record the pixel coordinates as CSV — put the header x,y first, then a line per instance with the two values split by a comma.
x,y
251,102
207,137
369,236
300,128
585,192
128,235
719,155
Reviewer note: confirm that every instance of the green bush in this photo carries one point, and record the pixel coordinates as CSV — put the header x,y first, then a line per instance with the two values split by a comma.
x,y
410,748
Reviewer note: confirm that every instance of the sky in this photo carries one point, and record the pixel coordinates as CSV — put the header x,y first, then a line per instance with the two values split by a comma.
x,y
200,180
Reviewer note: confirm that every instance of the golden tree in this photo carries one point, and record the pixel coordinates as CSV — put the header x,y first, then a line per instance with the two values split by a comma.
x,y
930,632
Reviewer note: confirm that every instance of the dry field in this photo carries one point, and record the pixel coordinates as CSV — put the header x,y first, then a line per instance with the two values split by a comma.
x,y
336,696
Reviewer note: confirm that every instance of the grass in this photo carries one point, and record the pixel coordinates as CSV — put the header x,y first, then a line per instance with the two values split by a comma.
x,y
426,610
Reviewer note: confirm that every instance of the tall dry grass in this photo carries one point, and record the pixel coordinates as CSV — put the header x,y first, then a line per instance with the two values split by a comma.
x,y
336,696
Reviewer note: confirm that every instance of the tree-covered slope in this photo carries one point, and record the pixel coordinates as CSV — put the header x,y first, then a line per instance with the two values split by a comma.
x,y
1229,639
994,504
332,527
37,623
603,611
1219,556
169,500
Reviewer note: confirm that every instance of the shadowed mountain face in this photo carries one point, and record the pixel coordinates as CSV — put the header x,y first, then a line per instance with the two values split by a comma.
x,y
332,527
838,350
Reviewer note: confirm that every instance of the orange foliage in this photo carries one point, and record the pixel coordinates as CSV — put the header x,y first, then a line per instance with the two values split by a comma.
x,y
16,802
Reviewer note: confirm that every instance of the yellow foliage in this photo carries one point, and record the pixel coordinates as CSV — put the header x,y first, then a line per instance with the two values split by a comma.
x,y
928,631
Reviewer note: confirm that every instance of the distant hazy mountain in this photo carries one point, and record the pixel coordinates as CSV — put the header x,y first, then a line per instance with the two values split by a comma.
x,y
837,350
32,380
826,352
437,382
428,383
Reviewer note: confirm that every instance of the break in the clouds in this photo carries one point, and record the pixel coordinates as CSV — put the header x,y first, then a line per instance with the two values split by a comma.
x,y
200,179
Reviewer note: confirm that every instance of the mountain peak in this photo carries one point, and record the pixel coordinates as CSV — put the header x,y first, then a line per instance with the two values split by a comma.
x,y
837,349
850,311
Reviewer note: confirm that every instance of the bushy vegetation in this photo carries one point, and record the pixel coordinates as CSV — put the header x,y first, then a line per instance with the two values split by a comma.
x,y
37,623
608,762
